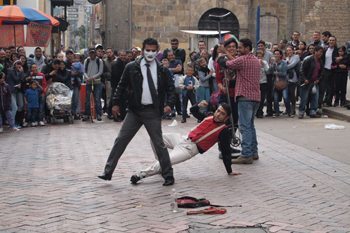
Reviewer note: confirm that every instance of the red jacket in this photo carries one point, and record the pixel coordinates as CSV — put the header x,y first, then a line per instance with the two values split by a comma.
x,y
40,78
206,126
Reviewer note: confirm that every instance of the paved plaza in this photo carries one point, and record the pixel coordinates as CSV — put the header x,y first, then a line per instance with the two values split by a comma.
x,y
48,180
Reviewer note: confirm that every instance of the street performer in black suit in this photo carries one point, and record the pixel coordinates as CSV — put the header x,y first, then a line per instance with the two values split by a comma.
x,y
146,83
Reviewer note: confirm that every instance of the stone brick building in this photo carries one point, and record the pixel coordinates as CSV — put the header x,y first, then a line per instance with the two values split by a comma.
x,y
127,23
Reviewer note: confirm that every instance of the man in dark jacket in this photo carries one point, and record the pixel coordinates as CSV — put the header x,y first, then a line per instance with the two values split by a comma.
x,y
118,67
5,103
310,77
327,82
146,84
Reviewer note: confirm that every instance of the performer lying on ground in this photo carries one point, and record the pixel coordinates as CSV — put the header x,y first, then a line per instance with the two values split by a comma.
x,y
200,139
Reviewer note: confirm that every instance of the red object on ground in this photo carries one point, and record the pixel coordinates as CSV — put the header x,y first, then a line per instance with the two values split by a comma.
x,y
210,210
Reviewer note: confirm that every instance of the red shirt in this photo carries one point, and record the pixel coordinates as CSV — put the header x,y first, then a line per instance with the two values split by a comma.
x,y
316,71
248,76
220,75
207,125
40,78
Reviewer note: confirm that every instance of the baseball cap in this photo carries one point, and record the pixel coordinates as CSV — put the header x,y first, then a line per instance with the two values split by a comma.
x,y
98,46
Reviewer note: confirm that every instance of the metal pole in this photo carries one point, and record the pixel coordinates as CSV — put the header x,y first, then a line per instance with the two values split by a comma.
x,y
219,28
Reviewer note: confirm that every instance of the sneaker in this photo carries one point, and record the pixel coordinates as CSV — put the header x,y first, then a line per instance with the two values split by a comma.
x,y
41,123
243,160
301,116
15,129
183,121
25,124
1,130
99,118
134,179
35,124
85,118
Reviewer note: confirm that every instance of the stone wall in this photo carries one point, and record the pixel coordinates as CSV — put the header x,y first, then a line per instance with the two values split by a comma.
x,y
330,16
163,19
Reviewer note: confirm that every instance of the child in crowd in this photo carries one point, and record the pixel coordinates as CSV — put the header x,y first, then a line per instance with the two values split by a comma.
x,y
204,75
188,85
32,98
76,79
5,103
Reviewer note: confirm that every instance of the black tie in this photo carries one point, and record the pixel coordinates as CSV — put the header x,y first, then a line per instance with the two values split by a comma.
x,y
152,88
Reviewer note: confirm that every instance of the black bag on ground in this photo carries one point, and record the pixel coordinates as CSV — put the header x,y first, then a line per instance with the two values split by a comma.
x,y
191,202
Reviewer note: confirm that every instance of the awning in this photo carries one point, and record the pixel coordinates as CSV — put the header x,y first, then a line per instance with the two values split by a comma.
x,y
204,32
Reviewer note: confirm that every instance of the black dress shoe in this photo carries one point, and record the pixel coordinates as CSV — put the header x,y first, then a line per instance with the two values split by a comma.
x,y
105,177
169,181
134,179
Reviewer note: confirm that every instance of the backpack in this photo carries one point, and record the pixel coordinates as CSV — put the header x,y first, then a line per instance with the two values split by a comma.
x,y
88,61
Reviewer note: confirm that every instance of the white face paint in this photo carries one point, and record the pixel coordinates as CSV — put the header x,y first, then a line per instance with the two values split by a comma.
x,y
149,56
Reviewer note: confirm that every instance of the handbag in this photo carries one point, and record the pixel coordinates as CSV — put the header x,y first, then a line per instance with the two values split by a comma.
x,y
280,84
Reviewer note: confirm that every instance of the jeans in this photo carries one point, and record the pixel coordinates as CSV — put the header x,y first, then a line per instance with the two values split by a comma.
x,y
285,99
97,95
263,97
33,115
76,100
326,87
203,93
188,95
17,102
341,81
9,117
42,106
108,88
292,95
246,114
304,98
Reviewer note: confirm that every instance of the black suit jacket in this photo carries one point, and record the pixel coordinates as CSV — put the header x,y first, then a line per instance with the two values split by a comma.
x,y
131,86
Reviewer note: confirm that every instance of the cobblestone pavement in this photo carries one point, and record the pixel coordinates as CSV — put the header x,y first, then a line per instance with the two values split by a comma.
x,y
48,184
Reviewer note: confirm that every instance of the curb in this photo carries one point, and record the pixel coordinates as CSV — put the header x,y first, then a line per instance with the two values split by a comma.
x,y
336,114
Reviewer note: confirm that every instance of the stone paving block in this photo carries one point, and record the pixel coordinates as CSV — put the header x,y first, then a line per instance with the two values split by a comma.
x,y
56,189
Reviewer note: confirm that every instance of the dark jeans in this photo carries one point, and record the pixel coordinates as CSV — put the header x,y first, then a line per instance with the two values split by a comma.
x,y
341,81
292,96
76,100
42,107
32,115
326,88
269,94
97,95
178,103
150,118
263,97
307,96
188,95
